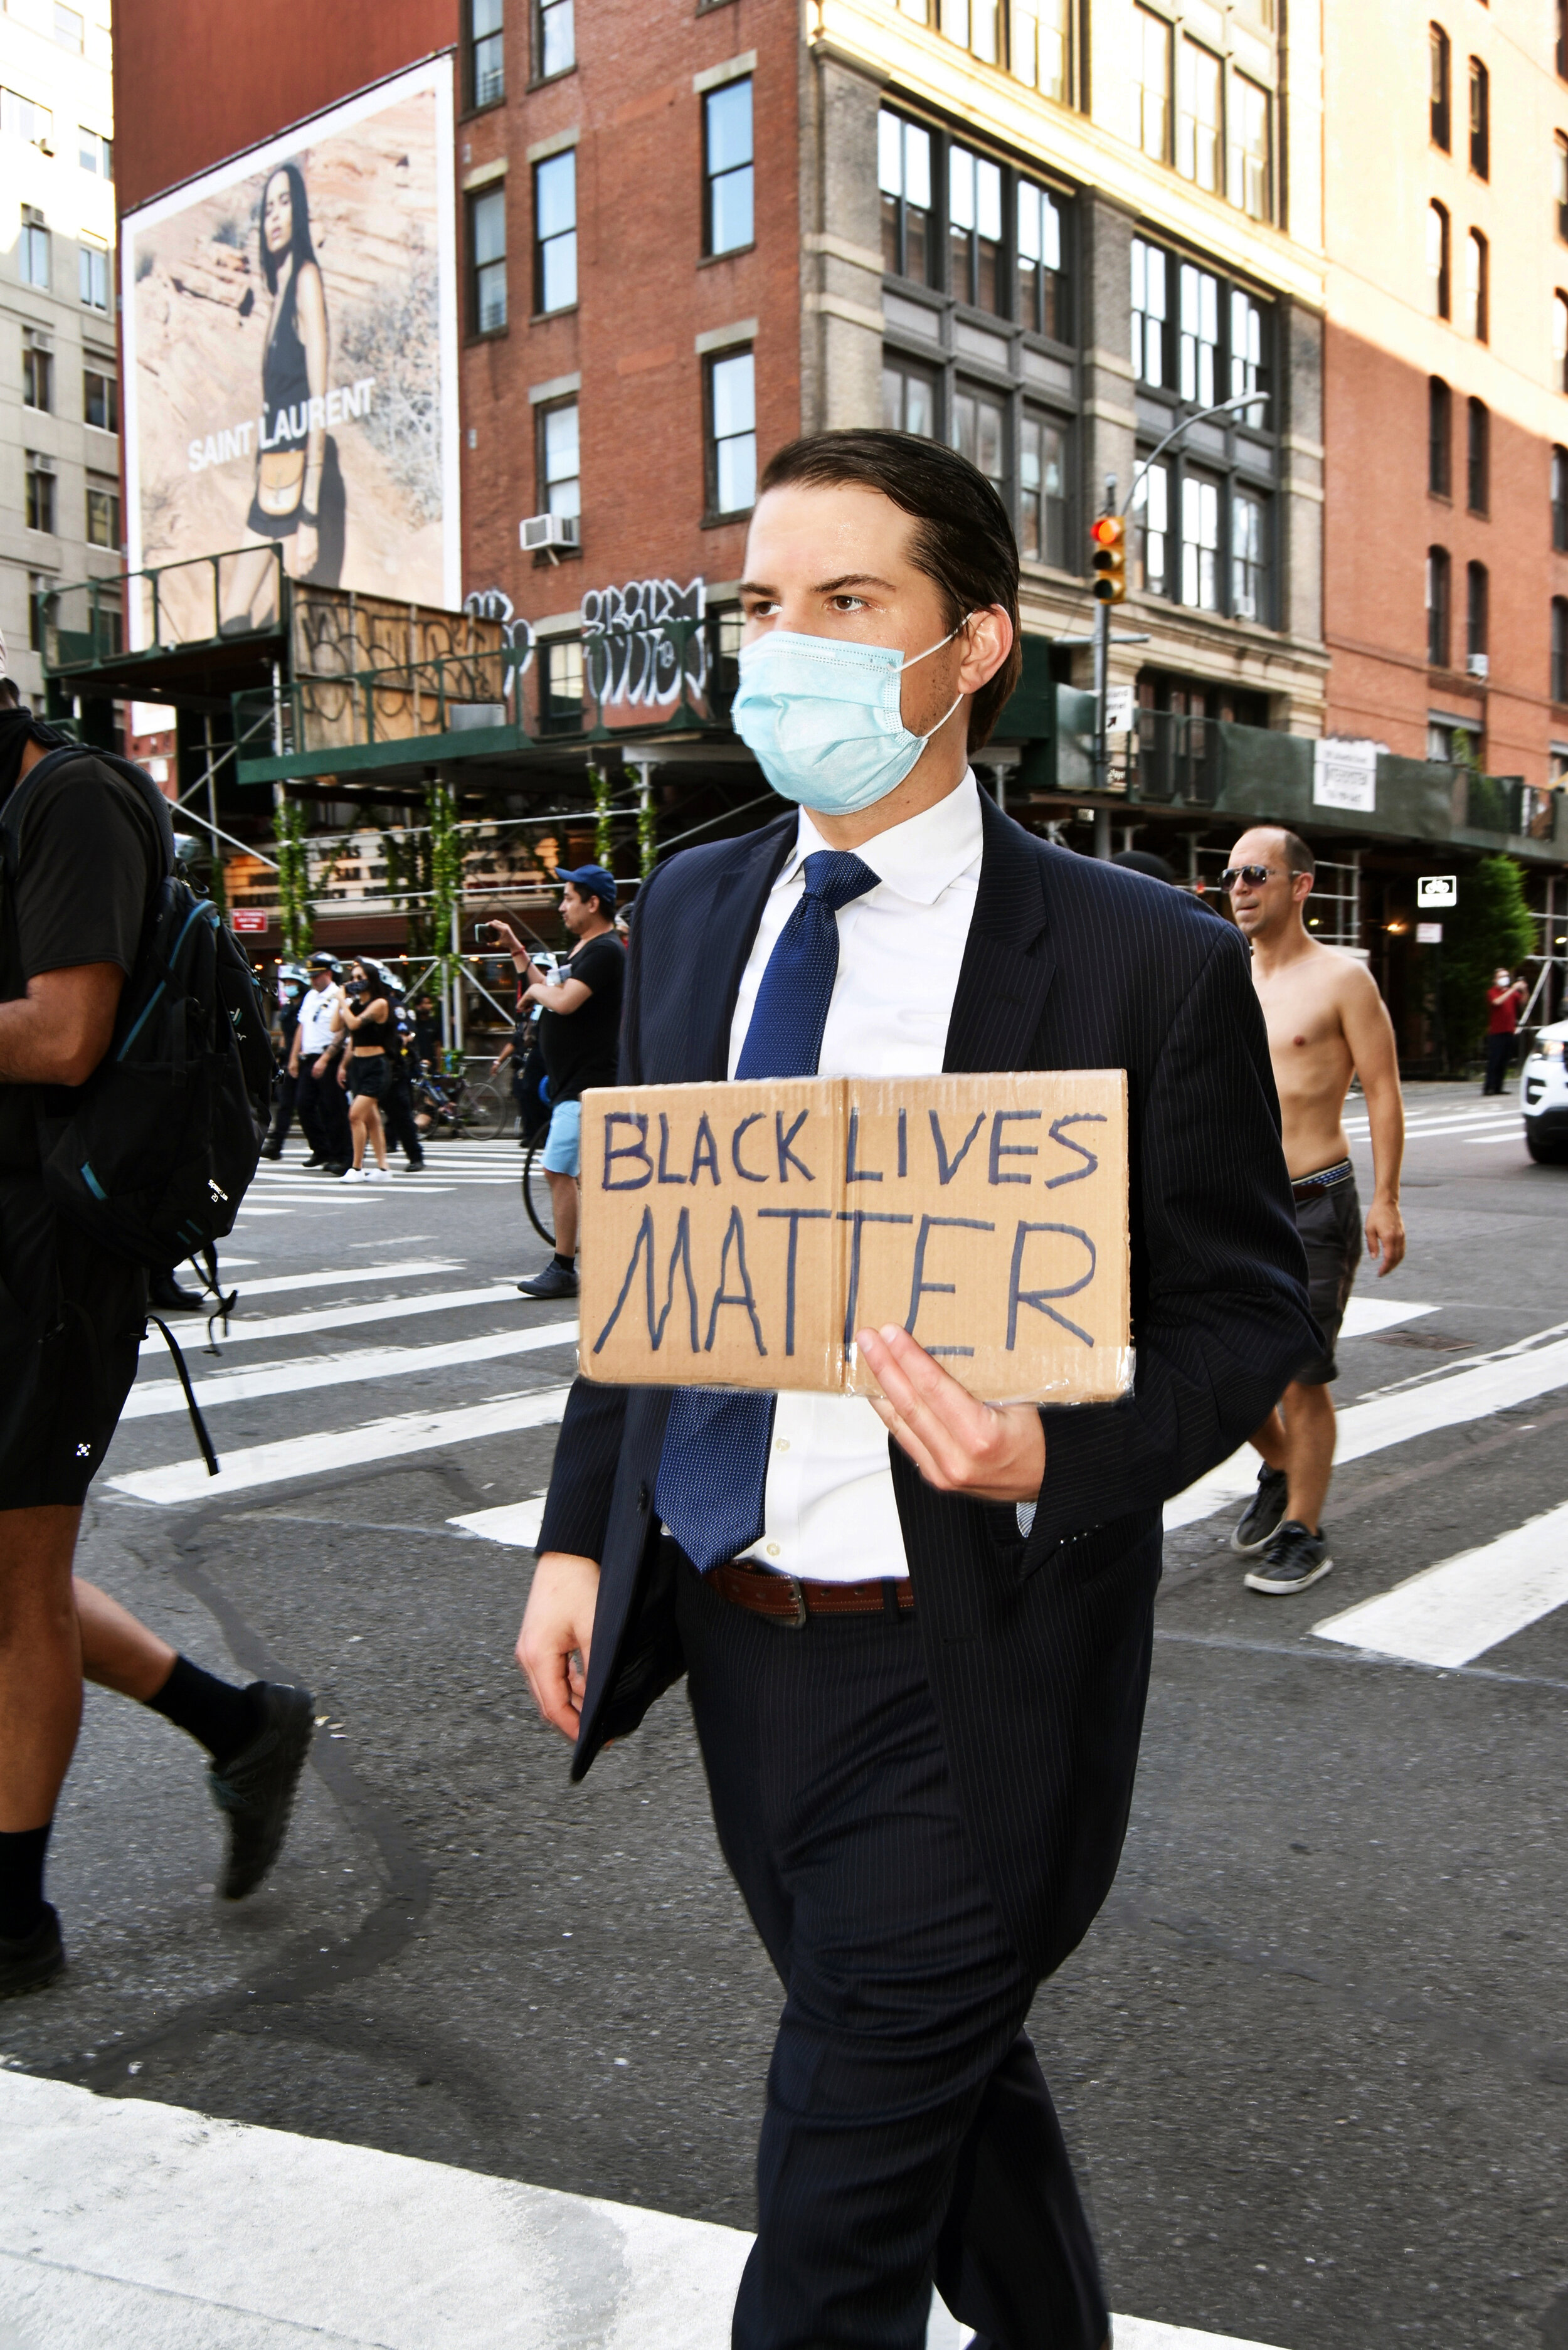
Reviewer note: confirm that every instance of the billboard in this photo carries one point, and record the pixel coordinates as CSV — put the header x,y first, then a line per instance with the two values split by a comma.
x,y
290,328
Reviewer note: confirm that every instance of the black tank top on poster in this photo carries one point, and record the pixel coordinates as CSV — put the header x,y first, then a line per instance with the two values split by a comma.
x,y
286,379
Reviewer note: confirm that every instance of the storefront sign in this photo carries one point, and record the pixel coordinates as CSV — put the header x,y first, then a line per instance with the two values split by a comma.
x,y
1345,775
1428,934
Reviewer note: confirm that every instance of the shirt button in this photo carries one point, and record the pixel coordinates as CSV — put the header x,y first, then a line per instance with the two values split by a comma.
x,y
780,1443
772,1550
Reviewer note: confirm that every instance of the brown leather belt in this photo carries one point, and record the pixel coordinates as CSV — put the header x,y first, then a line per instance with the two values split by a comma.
x,y
1328,1178
793,1600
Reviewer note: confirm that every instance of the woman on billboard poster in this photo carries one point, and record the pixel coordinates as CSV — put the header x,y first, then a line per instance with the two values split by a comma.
x,y
299,503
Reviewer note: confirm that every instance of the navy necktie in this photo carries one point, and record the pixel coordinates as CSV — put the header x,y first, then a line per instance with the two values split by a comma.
x,y
712,1474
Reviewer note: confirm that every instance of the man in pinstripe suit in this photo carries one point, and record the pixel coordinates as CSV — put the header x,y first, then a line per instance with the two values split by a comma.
x,y
917,1652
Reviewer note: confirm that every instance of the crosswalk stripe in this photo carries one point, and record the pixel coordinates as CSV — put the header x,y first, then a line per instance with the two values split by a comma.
x,y
133,2220
1469,1394
516,1522
1364,1316
313,1375
1465,1604
247,1328
416,1269
309,1455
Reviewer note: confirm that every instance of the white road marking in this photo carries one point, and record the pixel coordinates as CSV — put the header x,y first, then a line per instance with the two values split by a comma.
x,y
249,1211
247,1328
516,1522
126,2220
1363,1315
312,1375
293,1457
416,1269
1465,1604
1469,1394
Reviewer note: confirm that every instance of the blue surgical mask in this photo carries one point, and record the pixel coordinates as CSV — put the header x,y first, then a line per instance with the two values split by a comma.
x,y
822,718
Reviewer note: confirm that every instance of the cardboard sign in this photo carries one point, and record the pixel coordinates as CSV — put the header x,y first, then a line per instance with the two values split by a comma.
x,y
738,1235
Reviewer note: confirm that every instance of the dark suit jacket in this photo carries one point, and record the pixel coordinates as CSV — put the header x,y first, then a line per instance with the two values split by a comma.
x,y
1038,1650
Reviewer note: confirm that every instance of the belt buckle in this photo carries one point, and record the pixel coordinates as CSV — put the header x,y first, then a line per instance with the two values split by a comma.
x,y
798,1621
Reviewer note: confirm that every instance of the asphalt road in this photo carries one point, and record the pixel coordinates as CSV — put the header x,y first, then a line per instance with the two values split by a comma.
x,y
1312,2058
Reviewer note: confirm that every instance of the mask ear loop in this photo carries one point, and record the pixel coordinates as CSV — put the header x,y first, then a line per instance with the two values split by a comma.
x,y
926,656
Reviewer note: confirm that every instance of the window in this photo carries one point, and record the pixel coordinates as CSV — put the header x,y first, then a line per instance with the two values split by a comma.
x,y
1560,500
1559,342
101,398
732,433
556,233
1198,117
95,153
486,53
1251,158
1440,437
560,469
1249,557
102,513
1200,543
1151,69
1559,183
978,432
40,494
1475,610
1200,334
1042,490
973,25
487,260
562,684
555,39
67,27
1438,607
1559,648
1040,49
93,270
1441,94
1151,522
20,119
974,228
1150,316
1477,291
1477,457
1480,119
904,175
35,252
909,397
1249,368
727,168
37,379
1438,294
1042,283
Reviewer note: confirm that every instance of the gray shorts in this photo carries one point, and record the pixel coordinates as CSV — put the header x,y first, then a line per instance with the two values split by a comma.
x,y
1330,1225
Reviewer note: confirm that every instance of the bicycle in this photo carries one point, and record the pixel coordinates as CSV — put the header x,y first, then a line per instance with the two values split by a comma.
x,y
537,1191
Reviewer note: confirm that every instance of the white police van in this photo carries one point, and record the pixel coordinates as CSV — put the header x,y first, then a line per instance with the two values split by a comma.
x,y
1544,1096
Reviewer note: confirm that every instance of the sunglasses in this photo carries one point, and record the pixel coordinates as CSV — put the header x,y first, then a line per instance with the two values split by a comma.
x,y
1254,875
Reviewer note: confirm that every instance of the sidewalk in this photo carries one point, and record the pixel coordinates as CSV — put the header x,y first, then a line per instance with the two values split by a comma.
x,y
155,2229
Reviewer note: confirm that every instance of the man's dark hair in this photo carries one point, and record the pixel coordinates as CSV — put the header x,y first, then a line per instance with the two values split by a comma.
x,y
1146,860
1298,856
962,540
299,244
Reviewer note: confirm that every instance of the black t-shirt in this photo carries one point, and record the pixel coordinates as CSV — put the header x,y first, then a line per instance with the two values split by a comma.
x,y
581,1049
85,859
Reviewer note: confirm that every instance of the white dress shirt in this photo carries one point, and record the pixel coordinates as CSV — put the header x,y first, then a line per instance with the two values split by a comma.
x,y
315,1010
829,1511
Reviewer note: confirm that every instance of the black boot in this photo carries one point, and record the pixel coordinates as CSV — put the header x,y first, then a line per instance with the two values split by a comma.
x,y
164,1292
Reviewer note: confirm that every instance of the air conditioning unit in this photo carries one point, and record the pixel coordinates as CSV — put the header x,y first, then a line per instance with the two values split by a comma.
x,y
1478,665
541,532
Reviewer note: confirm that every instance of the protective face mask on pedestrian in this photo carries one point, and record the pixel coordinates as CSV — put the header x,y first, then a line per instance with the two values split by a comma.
x,y
823,719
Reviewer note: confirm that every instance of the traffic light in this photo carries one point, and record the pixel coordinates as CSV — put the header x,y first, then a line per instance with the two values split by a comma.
x,y
1110,537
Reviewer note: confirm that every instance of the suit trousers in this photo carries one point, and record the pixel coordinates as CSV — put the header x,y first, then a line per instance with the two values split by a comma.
x,y
323,1107
908,2136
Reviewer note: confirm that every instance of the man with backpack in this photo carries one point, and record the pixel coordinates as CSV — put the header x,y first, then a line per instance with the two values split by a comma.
x,y
86,857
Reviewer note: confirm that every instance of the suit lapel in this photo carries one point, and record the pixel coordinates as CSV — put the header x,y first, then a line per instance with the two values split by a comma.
x,y
740,892
1008,966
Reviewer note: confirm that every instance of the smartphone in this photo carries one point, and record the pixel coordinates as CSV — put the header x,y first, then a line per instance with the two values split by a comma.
x,y
481,932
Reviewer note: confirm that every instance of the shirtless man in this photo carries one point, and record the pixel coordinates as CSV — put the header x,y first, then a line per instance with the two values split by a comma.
x,y
1326,1023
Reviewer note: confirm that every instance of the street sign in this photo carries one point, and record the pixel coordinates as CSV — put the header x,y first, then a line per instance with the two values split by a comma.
x,y
1428,934
249,917
1120,710
1437,890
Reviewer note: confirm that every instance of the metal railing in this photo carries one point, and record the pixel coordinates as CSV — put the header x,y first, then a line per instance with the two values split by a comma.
x,y
237,593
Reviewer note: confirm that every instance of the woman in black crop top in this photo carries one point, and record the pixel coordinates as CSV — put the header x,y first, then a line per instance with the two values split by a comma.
x,y
365,1013
292,449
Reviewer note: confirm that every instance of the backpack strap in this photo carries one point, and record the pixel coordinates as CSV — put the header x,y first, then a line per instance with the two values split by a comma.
x,y
51,765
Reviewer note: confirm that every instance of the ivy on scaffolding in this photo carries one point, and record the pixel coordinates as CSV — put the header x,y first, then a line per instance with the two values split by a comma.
x,y
296,915
446,883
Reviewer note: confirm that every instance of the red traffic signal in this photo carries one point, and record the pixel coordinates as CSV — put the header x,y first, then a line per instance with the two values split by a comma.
x,y
1109,534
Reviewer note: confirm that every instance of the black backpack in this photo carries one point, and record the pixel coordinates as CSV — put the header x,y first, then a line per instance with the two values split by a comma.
x,y
153,1154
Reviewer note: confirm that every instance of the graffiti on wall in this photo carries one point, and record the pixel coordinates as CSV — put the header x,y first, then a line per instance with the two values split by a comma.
x,y
494,604
640,641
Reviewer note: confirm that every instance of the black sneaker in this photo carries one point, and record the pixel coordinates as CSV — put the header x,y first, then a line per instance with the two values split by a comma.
x,y
554,1282
256,1791
415,1164
1294,1559
34,1961
315,1160
336,1167
1261,1519
273,1150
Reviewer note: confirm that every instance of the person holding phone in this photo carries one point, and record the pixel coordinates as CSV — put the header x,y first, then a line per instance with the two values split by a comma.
x,y
579,1035
365,1016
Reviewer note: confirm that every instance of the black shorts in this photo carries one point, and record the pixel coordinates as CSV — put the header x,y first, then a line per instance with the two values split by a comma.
x,y
368,1076
1330,1226
71,1320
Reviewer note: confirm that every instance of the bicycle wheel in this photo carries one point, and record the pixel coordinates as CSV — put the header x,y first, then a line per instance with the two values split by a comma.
x,y
536,1194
